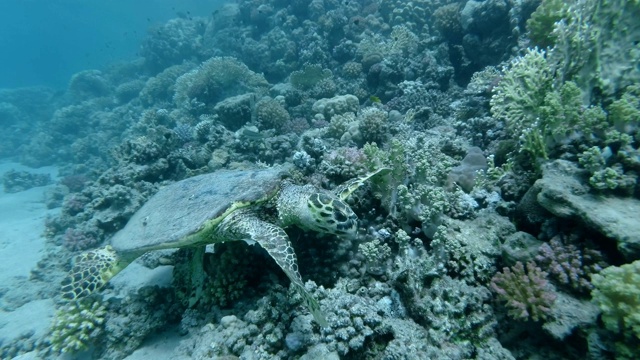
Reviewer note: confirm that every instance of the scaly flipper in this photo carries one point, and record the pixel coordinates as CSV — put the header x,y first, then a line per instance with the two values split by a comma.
x,y
343,191
90,272
243,225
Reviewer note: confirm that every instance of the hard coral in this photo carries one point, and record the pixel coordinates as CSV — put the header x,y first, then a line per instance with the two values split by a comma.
x,y
214,80
569,265
75,240
525,292
617,292
77,325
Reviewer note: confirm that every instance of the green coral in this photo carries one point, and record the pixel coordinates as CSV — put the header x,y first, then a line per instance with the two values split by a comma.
x,y
375,251
77,325
540,24
425,203
624,113
563,115
419,170
541,115
592,159
611,178
549,99
617,293
522,90
596,46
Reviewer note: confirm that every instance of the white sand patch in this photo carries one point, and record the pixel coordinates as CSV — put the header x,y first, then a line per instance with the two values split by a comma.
x,y
31,318
22,217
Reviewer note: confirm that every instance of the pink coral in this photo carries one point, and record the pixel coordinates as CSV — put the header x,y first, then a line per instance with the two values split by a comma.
x,y
75,183
75,240
74,204
525,292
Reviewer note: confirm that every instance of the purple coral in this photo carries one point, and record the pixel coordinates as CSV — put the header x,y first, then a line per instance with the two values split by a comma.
x,y
570,265
526,293
77,240
74,204
297,126
75,183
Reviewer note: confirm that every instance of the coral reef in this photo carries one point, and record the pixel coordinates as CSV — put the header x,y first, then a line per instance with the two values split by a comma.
x,y
511,134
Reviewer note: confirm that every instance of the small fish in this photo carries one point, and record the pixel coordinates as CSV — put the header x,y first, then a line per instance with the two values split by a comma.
x,y
252,133
374,99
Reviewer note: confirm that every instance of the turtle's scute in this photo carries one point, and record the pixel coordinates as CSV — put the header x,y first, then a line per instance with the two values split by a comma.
x,y
181,209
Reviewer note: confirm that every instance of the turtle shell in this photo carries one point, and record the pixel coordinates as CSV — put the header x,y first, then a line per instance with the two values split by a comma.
x,y
184,208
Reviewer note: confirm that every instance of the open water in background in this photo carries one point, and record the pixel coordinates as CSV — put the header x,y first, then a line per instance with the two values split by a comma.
x,y
44,42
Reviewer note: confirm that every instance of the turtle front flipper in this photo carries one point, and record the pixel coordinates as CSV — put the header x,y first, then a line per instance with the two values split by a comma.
x,y
243,225
343,191
90,272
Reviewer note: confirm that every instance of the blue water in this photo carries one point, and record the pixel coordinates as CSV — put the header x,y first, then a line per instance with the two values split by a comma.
x,y
44,42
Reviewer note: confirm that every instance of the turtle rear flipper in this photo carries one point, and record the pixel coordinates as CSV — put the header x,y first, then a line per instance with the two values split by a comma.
x,y
90,272
243,225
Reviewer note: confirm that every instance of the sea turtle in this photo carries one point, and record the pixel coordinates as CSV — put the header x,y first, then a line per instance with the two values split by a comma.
x,y
226,205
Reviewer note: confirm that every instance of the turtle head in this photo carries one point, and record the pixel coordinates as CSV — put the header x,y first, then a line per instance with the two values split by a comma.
x,y
90,272
329,214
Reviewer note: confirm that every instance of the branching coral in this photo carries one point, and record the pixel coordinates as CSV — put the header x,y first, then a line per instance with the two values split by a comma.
x,y
596,46
617,293
522,91
373,124
569,265
525,292
540,24
77,325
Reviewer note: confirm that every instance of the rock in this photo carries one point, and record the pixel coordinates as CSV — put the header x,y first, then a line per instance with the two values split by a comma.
x,y
568,314
320,351
564,192
465,174
520,246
